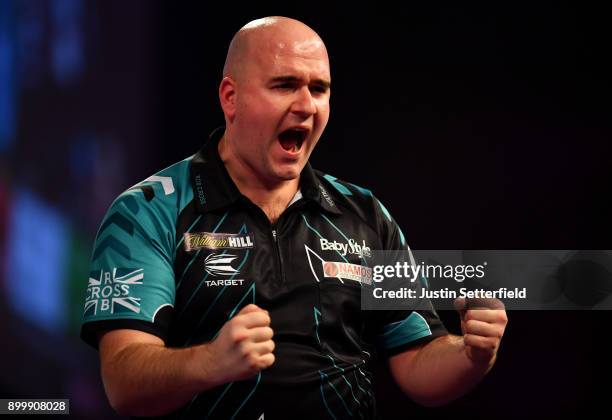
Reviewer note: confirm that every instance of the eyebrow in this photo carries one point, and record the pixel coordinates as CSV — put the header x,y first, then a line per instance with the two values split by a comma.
x,y
292,79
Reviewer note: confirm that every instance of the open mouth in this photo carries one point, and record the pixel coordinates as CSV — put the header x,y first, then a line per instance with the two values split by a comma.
x,y
292,139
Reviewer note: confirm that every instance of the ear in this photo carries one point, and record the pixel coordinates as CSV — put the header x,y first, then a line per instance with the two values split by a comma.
x,y
227,97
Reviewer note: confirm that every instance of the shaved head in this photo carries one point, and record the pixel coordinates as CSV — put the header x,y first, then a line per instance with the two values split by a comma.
x,y
274,95
270,34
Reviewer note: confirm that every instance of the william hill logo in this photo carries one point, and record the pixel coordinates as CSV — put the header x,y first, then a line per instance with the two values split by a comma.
x,y
194,241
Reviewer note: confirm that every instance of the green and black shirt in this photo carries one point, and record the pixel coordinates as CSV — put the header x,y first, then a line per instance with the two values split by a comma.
x,y
180,253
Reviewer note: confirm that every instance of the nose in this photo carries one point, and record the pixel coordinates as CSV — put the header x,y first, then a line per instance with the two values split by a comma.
x,y
304,103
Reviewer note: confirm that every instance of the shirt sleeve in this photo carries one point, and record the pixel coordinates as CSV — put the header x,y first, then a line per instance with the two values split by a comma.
x,y
131,281
400,330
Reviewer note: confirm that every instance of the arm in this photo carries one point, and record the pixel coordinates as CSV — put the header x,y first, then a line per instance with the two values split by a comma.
x,y
142,377
137,368
448,367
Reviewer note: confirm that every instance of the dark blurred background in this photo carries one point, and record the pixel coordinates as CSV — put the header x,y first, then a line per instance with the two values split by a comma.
x,y
480,127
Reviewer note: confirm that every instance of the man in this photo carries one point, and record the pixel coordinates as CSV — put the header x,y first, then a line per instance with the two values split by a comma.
x,y
209,295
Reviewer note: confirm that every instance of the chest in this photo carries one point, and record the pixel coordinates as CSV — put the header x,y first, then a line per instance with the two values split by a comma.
x,y
308,263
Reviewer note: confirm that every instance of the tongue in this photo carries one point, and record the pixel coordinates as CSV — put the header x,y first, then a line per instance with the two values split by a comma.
x,y
288,143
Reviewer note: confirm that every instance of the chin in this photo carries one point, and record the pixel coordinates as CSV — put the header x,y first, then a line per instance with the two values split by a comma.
x,y
288,174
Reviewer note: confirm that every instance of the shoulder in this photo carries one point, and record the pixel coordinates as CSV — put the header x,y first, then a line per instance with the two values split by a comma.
x,y
168,188
364,204
149,209
354,199
162,194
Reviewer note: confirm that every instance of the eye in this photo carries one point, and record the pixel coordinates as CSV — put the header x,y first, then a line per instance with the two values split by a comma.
x,y
284,86
318,89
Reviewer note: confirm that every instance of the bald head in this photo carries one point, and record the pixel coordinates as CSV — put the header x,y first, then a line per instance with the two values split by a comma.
x,y
274,35
275,99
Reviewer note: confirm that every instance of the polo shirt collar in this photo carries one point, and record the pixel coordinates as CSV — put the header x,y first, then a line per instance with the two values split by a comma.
x,y
214,189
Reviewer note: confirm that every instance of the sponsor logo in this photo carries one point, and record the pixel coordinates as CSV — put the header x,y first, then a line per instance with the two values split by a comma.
x,y
194,241
338,270
326,195
200,189
352,247
233,282
220,265
330,269
347,271
111,291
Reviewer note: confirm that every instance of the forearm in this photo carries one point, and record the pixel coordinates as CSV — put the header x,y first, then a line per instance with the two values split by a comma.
x,y
441,372
149,380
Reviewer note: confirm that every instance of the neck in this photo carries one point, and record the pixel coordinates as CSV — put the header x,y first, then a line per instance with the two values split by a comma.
x,y
272,196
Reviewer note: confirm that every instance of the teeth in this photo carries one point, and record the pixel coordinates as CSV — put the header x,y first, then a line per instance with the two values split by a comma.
x,y
297,136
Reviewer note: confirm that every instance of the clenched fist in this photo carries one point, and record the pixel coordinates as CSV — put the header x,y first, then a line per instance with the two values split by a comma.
x,y
244,345
483,322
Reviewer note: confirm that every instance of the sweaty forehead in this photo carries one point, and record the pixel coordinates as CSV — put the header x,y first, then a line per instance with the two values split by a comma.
x,y
305,46
282,52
